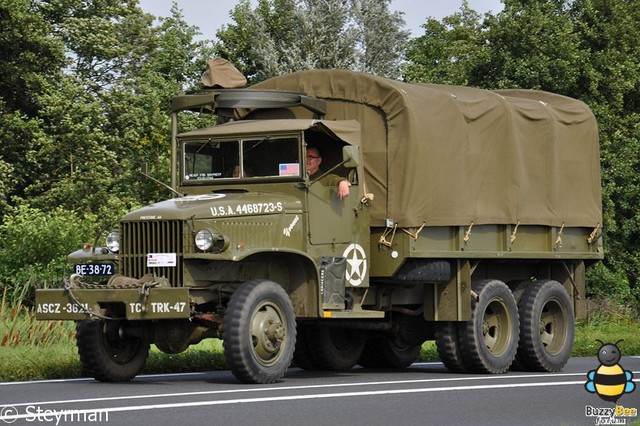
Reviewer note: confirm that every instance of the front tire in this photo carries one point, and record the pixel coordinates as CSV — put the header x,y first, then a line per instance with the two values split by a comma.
x,y
489,340
259,332
107,354
547,327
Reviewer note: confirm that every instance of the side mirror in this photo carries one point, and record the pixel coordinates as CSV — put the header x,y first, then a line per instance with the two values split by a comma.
x,y
350,156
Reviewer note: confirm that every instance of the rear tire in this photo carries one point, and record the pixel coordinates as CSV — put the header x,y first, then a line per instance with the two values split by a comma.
x,y
518,288
259,332
448,345
489,340
303,357
108,356
335,349
387,352
547,327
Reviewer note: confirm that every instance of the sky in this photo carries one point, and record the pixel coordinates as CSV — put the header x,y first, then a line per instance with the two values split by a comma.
x,y
210,15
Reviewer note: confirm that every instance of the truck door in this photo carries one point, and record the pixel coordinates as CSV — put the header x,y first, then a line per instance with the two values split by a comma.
x,y
332,220
338,229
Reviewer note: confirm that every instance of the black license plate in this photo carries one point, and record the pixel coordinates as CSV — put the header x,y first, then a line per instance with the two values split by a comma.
x,y
85,269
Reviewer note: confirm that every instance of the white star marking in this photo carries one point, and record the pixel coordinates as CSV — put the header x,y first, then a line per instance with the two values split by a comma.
x,y
356,264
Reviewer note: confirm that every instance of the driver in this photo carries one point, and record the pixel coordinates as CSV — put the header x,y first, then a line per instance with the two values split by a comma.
x,y
314,159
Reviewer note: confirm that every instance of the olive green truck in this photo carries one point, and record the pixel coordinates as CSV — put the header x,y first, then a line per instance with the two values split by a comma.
x,y
471,218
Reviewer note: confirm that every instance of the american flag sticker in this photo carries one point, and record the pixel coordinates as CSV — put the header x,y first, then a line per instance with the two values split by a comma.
x,y
289,169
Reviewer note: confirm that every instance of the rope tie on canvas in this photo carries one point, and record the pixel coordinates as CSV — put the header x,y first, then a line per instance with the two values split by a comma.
x,y
514,234
594,235
383,238
467,234
559,237
417,233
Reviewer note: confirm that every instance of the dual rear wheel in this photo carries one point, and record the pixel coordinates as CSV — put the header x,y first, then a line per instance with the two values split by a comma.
x,y
546,327
532,330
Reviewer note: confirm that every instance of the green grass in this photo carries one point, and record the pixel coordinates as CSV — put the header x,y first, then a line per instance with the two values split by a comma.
x,y
609,324
61,361
628,331
33,350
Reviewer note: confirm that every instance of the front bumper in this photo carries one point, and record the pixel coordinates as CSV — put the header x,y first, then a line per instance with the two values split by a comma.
x,y
83,304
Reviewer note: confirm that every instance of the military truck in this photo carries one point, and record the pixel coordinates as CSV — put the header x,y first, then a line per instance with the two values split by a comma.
x,y
471,218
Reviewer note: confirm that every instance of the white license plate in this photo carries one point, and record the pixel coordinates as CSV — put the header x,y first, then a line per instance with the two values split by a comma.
x,y
161,260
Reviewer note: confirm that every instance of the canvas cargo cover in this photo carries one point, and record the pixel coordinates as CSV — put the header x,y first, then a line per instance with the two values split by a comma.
x,y
449,155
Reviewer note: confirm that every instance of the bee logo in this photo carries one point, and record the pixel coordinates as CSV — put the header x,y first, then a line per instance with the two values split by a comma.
x,y
610,381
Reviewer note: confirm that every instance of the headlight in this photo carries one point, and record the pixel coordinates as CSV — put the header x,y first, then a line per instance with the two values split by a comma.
x,y
204,239
208,241
113,241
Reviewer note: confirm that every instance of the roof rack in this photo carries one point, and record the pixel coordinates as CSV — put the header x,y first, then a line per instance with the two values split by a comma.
x,y
224,101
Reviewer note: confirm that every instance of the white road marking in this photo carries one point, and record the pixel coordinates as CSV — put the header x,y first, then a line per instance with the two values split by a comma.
x,y
246,390
306,387
301,397
289,388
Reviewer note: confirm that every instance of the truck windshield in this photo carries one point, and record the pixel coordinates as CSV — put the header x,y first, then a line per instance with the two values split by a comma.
x,y
256,157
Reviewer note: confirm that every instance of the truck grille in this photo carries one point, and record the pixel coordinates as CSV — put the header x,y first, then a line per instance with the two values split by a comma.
x,y
141,238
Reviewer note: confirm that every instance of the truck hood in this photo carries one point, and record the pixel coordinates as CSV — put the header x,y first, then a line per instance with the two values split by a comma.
x,y
217,205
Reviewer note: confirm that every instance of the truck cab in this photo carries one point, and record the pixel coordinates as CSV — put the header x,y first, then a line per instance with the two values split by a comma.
x,y
260,207
247,216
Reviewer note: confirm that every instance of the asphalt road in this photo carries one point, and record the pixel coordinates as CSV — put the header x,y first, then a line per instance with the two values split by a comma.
x,y
425,394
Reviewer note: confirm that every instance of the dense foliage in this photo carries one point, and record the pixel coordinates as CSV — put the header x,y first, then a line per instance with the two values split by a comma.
x,y
283,36
85,87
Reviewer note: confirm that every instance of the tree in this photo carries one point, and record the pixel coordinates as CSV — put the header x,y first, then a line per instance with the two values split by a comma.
x,y
83,110
283,36
610,83
80,139
533,44
7,182
31,57
382,39
449,51
54,232
31,54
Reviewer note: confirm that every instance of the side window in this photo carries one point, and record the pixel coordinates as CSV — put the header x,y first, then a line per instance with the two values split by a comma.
x,y
271,157
330,149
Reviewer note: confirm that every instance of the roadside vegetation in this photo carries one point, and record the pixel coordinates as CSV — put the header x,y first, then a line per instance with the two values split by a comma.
x,y
34,350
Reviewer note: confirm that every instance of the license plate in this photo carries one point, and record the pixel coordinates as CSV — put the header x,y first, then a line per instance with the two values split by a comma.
x,y
108,268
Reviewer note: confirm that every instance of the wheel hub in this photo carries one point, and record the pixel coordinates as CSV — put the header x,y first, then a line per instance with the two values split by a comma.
x,y
495,328
268,333
274,335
